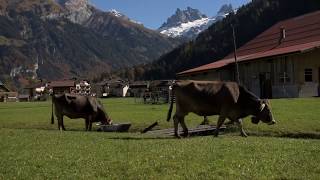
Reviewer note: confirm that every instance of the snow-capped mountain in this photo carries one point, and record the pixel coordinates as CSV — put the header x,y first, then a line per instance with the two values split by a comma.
x,y
190,22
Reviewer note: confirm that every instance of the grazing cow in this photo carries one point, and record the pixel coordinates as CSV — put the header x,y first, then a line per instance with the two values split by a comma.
x,y
227,99
75,106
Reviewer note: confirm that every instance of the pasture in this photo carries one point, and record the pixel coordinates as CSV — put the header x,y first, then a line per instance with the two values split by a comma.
x,y
32,148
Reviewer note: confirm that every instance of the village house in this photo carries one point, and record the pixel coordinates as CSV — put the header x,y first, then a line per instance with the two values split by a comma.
x,y
113,87
6,95
137,88
283,61
36,91
82,87
62,86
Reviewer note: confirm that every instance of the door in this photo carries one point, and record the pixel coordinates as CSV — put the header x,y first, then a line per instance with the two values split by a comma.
x,y
265,85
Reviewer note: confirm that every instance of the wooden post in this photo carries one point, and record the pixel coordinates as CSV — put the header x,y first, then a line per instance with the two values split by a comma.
x,y
235,55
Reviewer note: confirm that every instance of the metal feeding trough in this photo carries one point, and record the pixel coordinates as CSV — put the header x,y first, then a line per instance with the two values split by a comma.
x,y
121,127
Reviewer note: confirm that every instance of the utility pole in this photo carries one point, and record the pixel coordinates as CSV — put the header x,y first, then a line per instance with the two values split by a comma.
x,y
235,55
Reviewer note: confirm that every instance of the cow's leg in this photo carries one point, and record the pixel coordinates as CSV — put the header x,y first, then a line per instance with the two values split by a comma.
x,y
87,123
90,123
62,124
184,127
59,122
219,124
176,126
239,122
205,121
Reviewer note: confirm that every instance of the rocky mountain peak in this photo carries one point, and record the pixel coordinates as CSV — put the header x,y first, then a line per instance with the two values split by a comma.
x,y
225,9
190,22
183,16
77,11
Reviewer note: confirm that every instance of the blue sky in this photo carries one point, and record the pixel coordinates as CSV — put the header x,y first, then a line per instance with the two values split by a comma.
x,y
152,13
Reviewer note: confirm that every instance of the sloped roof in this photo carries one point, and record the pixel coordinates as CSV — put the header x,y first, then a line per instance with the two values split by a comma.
x,y
301,34
35,85
4,87
63,83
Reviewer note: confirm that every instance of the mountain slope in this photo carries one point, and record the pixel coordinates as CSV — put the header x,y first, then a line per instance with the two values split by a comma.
x,y
54,39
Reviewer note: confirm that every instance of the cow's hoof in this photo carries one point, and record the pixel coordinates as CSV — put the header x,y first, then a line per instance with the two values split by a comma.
x,y
177,136
244,135
185,135
215,134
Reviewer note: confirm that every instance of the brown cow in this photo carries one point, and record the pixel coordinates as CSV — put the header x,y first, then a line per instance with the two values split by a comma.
x,y
227,99
76,106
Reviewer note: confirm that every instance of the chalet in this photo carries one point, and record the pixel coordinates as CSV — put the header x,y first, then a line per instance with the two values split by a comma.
x,y
6,95
3,88
35,91
159,90
63,86
114,87
283,61
137,88
82,87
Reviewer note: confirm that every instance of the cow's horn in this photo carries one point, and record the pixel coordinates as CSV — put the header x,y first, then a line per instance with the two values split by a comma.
x,y
263,105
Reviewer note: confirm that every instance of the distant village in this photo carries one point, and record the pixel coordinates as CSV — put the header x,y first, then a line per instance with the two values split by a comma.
x,y
143,91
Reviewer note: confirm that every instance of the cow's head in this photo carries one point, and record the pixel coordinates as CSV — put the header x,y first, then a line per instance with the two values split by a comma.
x,y
108,121
264,114
105,120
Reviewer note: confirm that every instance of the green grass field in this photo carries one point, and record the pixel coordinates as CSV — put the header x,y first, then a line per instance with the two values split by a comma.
x,y
32,148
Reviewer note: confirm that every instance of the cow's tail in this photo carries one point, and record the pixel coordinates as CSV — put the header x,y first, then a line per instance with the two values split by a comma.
x,y
52,117
171,103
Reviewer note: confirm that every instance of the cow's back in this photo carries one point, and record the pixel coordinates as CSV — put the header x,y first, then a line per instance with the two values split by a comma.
x,y
205,97
73,106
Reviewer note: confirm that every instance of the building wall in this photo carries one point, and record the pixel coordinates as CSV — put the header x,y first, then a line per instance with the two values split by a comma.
x,y
309,60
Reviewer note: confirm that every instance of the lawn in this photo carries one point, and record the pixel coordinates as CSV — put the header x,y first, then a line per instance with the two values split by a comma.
x,y
32,148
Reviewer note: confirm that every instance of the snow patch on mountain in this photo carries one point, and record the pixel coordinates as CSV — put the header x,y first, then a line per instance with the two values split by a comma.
x,y
195,27
190,22
116,13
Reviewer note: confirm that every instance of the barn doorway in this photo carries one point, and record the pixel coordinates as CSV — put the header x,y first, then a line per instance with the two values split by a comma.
x,y
265,85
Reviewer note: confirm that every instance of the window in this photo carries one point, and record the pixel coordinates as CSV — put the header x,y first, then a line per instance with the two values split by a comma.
x,y
284,78
308,75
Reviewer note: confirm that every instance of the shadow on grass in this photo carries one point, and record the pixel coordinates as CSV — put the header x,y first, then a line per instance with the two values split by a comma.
x,y
229,131
142,138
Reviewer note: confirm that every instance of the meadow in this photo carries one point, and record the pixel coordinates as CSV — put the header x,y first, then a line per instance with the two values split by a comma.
x,y
32,148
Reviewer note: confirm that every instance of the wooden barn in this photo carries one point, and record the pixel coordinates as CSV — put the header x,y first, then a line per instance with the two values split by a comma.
x,y
283,61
